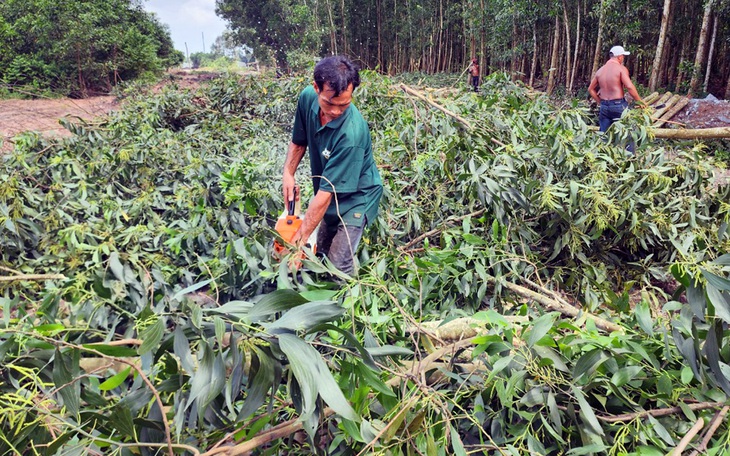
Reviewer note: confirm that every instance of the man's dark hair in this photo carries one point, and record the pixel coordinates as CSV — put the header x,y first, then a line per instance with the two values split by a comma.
x,y
337,71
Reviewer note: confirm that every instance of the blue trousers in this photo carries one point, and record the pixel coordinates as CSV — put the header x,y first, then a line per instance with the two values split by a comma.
x,y
609,113
338,243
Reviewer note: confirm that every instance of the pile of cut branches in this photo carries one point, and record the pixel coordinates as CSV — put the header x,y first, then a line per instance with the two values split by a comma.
x,y
141,310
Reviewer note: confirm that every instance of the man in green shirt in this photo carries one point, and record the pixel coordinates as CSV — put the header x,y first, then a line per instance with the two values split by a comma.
x,y
347,185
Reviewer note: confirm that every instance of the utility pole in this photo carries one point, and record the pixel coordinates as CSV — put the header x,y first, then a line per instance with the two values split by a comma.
x,y
187,54
203,34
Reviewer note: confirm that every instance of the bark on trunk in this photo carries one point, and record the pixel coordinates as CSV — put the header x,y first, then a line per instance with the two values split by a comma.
x,y
701,48
709,55
653,79
554,59
534,54
599,40
700,133
568,65
575,55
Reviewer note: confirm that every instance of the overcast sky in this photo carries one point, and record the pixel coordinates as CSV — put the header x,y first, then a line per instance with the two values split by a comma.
x,y
189,21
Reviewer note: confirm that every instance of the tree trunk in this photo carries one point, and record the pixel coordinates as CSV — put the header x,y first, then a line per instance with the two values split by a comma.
x,y
599,41
554,59
568,64
577,44
701,48
653,79
344,27
534,54
709,55
700,133
379,24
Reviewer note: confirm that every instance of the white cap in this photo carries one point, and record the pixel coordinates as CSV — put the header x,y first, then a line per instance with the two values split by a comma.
x,y
618,50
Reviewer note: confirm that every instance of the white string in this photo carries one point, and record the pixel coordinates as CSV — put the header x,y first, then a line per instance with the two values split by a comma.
x,y
342,221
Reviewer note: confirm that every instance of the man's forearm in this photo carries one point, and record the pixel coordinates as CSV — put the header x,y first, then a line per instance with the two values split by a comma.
x,y
293,157
315,212
595,96
635,94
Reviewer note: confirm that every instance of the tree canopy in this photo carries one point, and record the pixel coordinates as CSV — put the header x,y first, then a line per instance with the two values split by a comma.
x,y
82,46
564,39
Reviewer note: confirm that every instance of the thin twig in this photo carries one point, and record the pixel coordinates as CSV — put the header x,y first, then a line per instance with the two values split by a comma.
x,y
688,437
23,277
560,307
657,412
3,268
262,438
714,424
420,96
438,230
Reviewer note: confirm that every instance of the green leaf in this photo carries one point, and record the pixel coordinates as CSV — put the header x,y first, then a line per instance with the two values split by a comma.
x,y
306,316
389,350
261,380
49,329
235,309
122,421
220,330
643,317
719,301
593,448
588,363
190,289
277,301
314,377
687,375
661,431
696,300
151,336
716,281
554,358
116,380
456,444
116,266
712,350
181,348
625,375
112,350
63,380
540,328
586,411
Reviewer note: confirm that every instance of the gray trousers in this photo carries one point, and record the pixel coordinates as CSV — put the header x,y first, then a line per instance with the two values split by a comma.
x,y
339,243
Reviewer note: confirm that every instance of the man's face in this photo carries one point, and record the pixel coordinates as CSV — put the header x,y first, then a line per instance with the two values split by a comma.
x,y
331,106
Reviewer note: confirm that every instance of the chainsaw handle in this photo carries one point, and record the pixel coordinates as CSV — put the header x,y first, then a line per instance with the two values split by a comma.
x,y
291,204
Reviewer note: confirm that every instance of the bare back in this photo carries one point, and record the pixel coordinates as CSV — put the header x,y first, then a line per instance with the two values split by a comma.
x,y
612,78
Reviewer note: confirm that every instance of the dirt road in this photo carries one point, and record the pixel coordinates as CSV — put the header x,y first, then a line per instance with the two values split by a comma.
x,y
42,115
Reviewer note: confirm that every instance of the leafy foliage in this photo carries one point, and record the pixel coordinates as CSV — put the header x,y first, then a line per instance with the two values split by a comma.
x,y
173,328
80,47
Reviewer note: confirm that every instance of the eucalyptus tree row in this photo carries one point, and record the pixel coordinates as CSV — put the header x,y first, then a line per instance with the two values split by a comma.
x,y
80,47
681,45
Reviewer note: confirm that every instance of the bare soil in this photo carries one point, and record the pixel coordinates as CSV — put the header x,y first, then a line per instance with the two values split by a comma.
x,y
43,115
705,113
17,116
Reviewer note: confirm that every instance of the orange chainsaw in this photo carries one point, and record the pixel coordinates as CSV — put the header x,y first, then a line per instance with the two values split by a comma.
x,y
287,228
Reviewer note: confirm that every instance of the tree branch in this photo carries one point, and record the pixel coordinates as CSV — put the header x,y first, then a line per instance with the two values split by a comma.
x,y
688,437
657,412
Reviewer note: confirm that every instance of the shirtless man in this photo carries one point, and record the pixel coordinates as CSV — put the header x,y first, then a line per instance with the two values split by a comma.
x,y
612,78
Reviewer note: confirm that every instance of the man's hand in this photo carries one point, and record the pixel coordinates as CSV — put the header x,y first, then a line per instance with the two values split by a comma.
x,y
289,185
293,156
